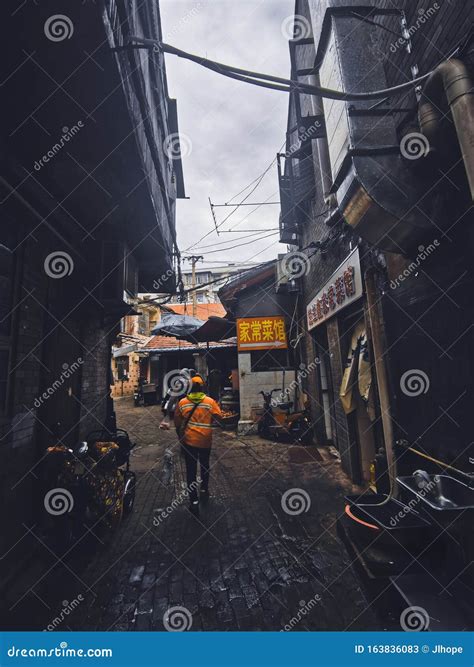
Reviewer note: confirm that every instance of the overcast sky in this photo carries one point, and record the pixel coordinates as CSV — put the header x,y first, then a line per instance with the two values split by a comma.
x,y
231,131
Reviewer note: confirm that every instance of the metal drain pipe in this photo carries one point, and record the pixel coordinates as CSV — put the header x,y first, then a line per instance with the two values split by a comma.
x,y
453,81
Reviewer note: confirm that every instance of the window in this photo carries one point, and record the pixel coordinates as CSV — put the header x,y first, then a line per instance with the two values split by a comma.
x,y
270,360
122,367
144,324
202,278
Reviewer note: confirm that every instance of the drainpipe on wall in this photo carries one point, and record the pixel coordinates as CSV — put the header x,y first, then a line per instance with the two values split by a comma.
x,y
452,81
378,344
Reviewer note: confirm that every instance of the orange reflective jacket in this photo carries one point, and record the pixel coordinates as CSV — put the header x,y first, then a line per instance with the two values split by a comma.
x,y
199,428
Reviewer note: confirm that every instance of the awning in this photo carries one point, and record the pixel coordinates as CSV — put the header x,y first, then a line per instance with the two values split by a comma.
x,y
124,350
178,326
214,329
191,329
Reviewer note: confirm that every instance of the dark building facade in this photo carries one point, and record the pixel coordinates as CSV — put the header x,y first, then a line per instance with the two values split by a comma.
x,y
377,210
381,188
90,174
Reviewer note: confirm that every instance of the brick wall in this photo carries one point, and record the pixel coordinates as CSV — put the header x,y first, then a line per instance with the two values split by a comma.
x,y
45,343
127,387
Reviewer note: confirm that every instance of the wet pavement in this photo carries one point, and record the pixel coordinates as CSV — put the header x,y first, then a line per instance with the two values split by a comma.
x,y
262,555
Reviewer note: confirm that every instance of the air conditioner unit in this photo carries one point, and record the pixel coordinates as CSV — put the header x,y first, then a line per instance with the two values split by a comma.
x,y
119,273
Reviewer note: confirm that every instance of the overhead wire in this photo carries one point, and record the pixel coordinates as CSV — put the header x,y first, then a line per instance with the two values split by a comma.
x,y
276,82
238,245
259,179
255,233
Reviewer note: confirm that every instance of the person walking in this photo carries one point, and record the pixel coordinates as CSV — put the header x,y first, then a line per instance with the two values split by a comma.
x,y
180,385
195,418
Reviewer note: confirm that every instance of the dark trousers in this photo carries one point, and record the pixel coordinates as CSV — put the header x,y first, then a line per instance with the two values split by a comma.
x,y
191,457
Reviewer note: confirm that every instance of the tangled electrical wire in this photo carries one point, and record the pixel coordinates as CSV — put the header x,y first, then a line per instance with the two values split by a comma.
x,y
270,81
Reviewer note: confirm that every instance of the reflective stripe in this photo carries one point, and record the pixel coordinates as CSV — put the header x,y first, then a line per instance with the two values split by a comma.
x,y
191,405
200,425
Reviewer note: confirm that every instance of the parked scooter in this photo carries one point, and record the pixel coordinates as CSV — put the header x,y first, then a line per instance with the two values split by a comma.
x,y
278,423
88,488
138,395
145,393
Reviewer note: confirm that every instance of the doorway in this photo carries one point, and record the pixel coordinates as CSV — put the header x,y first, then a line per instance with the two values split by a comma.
x,y
357,397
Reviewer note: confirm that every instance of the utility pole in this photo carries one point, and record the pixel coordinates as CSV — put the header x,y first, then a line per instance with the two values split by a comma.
x,y
194,259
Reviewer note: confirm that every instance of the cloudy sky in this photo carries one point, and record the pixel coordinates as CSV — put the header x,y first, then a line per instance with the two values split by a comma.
x,y
231,130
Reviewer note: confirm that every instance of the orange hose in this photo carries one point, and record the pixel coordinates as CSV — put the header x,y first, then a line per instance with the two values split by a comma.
x,y
364,523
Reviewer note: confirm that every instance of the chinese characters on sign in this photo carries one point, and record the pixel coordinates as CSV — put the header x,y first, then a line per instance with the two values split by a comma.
x,y
344,286
261,333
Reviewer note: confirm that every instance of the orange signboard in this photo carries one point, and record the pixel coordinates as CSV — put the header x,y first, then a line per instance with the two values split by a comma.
x,y
261,333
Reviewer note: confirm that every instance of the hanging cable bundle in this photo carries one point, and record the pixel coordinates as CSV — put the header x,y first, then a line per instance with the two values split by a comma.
x,y
275,82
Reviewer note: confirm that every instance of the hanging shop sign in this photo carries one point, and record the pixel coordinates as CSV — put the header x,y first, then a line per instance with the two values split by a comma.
x,y
261,333
343,288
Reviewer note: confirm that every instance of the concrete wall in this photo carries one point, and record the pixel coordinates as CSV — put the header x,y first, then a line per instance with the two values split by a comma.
x,y
251,383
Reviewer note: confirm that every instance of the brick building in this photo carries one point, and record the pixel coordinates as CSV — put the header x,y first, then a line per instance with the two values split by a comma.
x,y
89,178
136,352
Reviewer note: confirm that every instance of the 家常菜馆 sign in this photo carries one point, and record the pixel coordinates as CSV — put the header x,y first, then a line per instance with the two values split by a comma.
x,y
261,333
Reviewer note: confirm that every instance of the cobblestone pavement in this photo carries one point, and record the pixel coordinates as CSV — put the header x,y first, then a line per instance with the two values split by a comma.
x,y
244,564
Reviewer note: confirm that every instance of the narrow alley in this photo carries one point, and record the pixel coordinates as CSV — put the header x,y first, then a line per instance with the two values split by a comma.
x,y
246,563
236,317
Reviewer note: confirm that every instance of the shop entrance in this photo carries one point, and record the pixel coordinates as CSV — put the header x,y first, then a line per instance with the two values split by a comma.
x,y
357,397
